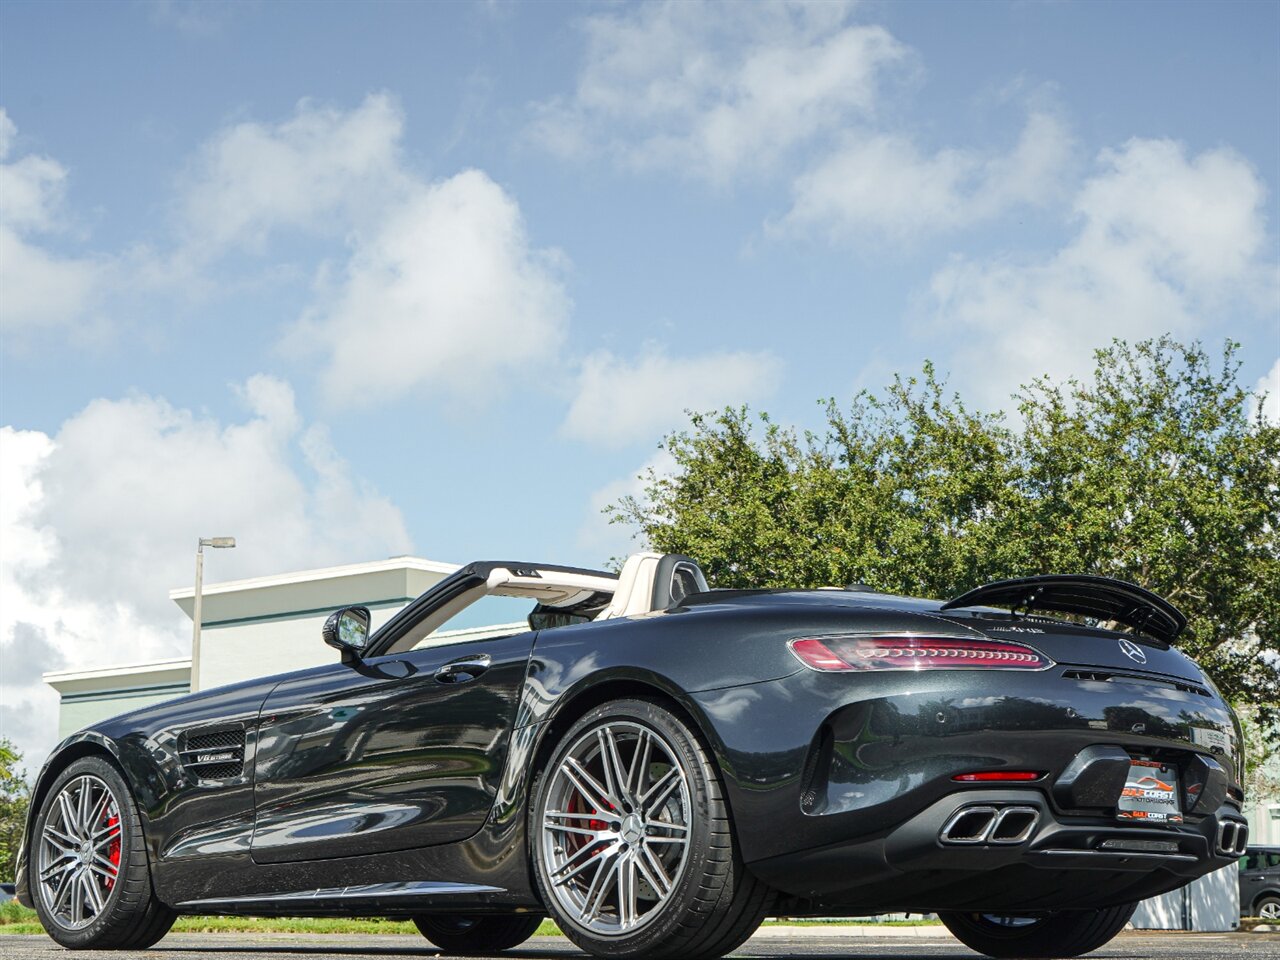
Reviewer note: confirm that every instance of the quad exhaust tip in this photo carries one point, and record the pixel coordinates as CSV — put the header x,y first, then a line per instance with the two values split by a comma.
x,y
1233,838
981,825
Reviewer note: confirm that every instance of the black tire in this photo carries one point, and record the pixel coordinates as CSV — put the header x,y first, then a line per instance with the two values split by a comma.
x,y
131,917
1268,908
714,904
1068,933
474,936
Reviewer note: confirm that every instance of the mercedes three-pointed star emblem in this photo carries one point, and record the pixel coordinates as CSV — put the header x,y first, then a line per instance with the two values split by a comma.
x,y
1133,651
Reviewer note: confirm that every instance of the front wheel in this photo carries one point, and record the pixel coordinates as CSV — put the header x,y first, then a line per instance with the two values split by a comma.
x,y
1268,908
473,936
90,876
1067,933
632,843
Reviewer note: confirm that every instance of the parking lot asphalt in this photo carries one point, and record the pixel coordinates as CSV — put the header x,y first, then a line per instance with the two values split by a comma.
x,y
773,943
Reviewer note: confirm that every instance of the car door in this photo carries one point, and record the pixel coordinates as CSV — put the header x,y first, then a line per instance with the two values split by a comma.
x,y
1250,877
392,753
1259,876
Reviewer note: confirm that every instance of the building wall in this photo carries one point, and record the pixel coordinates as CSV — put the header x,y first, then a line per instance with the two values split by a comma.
x,y
1209,904
262,646
1264,824
251,628
80,710
268,625
88,696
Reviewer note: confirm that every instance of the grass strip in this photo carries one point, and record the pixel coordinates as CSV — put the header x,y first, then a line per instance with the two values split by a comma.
x,y
17,919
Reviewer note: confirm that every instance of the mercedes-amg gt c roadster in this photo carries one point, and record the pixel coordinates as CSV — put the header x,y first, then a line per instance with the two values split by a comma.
x,y
657,766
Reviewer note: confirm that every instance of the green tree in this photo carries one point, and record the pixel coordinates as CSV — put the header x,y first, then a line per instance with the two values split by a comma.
x,y
1160,469
15,795
1262,758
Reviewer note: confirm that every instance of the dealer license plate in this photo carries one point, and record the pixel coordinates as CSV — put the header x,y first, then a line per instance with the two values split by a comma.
x,y
1150,793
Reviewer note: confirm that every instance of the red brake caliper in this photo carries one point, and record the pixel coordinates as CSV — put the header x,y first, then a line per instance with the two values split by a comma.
x,y
577,805
113,851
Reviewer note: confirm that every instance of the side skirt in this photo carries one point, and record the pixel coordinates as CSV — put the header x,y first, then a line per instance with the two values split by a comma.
x,y
407,895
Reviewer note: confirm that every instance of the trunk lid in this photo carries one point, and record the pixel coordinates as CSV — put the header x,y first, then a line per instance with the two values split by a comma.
x,y
1155,622
1077,645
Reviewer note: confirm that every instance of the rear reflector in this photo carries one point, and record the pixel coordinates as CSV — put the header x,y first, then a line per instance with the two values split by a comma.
x,y
998,776
841,653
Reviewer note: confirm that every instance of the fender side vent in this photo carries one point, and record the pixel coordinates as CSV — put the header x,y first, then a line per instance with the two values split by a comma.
x,y
214,754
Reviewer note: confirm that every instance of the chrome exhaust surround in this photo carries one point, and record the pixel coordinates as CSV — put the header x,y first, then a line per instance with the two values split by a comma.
x,y
990,825
1233,838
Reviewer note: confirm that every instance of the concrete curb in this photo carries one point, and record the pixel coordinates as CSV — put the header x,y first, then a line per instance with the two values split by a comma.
x,y
825,931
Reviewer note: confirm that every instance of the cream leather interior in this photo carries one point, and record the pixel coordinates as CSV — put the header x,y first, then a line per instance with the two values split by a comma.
x,y
639,588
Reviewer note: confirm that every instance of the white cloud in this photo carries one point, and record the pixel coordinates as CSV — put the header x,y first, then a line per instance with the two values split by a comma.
x,y
792,90
38,288
882,185
440,286
320,172
446,292
713,91
194,18
1164,242
620,402
316,171
603,540
100,521
1269,384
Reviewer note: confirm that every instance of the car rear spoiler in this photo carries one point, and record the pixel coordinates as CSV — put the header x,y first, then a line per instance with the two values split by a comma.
x,y
1099,597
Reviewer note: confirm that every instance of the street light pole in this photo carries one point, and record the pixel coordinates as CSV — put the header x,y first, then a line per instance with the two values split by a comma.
x,y
196,614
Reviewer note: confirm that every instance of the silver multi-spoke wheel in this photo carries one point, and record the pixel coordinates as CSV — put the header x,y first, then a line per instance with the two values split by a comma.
x,y
79,855
1270,910
616,827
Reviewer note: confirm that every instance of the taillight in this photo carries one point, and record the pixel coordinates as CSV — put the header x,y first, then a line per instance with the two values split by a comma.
x,y
841,653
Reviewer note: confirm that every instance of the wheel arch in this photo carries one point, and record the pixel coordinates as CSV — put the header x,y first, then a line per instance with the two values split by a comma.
x,y
748,898
593,691
87,743
1264,895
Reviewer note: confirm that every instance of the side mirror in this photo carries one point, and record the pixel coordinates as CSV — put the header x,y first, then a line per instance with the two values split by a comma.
x,y
348,630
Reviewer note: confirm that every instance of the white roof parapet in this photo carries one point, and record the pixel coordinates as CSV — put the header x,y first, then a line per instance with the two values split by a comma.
x,y
319,573
68,680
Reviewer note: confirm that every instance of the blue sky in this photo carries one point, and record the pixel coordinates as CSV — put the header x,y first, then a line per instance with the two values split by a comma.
x,y
351,280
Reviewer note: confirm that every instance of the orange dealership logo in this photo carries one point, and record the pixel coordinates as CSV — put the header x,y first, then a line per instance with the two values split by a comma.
x,y
1151,787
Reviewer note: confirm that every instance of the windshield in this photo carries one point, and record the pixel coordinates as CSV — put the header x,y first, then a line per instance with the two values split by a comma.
x,y
488,617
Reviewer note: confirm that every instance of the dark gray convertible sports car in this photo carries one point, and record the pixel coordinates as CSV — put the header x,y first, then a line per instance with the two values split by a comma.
x,y
657,766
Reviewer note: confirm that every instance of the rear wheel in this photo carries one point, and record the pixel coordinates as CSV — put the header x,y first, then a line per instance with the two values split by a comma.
x,y
1067,933
470,936
633,847
90,875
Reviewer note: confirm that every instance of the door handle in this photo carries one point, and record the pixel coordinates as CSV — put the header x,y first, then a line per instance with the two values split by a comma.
x,y
463,669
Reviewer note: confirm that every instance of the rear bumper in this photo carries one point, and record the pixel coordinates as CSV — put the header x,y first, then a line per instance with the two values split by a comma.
x,y
1060,862
824,760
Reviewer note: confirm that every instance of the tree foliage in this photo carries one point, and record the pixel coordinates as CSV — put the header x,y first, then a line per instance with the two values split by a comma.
x,y
15,794
1161,470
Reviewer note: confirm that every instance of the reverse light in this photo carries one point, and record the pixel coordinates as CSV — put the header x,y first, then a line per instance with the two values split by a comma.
x,y
842,653
998,776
